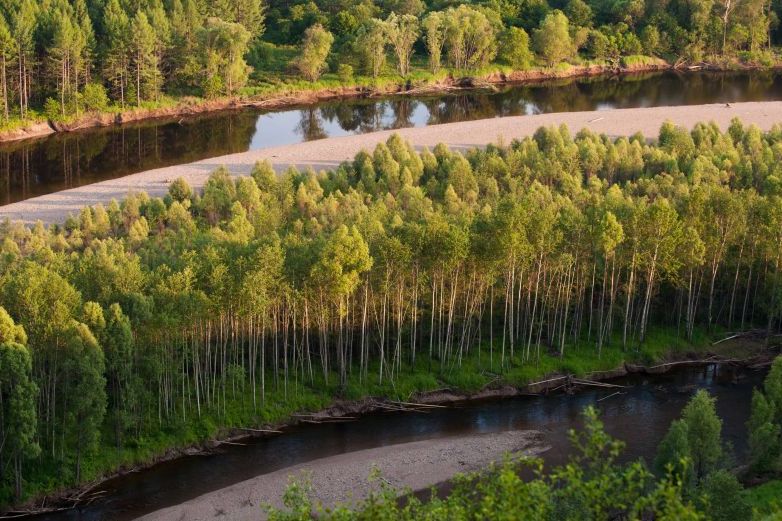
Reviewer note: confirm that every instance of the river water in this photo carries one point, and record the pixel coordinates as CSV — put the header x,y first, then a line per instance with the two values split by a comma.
x,y
639,415
36,167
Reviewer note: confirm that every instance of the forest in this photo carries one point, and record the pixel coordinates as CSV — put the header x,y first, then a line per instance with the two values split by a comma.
x,y
60,59
154,322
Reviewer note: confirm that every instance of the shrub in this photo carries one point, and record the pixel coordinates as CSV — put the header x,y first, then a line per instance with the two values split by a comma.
x,y
52,109
94,97
315,50
514,49
725,499
345,73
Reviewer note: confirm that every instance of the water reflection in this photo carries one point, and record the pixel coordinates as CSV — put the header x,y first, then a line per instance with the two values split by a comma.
x,y
32,168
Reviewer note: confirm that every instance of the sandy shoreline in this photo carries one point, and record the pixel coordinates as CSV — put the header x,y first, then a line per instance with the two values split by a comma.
x,y
328,153
343,478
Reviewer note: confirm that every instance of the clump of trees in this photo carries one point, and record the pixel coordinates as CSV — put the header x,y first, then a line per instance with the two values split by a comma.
x,y
72,56
206,306
314,50
765,425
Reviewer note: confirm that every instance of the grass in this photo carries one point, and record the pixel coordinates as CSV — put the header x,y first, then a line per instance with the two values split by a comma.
x,y
16,123
637,60
765,499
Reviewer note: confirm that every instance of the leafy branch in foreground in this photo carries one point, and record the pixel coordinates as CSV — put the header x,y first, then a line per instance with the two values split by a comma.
x,y
592,486
693,482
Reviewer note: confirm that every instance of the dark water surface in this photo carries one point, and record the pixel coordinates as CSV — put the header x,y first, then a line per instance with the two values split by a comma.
x,y
640,416
36,167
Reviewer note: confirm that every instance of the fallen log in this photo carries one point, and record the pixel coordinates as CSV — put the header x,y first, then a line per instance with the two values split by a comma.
x,y
269,431
19,514
609,396
226,442
533,384
579,381
425,405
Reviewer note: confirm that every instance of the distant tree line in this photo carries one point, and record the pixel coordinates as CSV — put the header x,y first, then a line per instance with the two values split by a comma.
x,y
131,319
555,31
69,56
65,57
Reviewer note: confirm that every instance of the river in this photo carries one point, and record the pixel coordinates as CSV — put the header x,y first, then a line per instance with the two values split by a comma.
x,y
639,415
36,167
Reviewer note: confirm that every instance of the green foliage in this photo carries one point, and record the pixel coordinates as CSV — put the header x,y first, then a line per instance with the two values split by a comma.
x,y
552,39
180,190
674,454
470,37
693,453
146,68
515,49
345,73
704,434
765,423
222,46
370,46
725,498
53,110
314,50
394,273
434,36
402,32
95,98
18,394
765,499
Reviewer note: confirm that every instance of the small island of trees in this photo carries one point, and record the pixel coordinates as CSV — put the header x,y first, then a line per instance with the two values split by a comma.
x,y
156,321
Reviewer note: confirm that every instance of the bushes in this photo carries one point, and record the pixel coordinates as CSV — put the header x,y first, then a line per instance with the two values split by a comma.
x,y
53,110
515,50
765,424
95,98
315,50
552,39
345,73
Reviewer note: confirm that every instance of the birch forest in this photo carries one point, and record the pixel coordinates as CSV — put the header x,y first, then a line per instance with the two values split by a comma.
x,y
154,321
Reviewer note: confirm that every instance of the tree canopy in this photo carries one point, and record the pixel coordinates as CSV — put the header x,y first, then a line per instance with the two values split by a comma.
x,y
206,306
